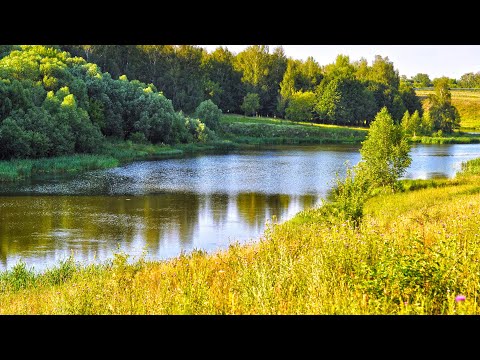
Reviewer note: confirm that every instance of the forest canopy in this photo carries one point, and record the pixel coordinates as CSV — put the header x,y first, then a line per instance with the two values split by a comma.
x,y
52,103
65,99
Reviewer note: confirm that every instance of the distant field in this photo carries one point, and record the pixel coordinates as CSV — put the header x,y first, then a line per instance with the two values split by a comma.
x,y
468,104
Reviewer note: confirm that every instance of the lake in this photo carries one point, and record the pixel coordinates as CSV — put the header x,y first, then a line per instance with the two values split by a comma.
x,y
158,209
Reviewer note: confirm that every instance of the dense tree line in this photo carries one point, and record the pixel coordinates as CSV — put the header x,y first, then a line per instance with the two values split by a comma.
x,y
63,99
52,103
345,93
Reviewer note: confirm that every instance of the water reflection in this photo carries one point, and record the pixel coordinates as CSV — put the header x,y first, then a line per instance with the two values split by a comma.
x,y
42,230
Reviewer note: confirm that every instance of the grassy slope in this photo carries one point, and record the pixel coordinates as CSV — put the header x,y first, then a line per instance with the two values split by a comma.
x,y
265,131
413,254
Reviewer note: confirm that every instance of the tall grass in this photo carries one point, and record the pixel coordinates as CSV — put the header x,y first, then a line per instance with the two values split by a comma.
x,y
20,169
465,139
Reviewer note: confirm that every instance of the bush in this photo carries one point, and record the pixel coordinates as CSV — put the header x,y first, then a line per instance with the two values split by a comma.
x,y
198,132
209,114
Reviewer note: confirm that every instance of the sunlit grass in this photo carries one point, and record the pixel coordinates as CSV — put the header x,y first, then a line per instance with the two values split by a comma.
x,y
268,131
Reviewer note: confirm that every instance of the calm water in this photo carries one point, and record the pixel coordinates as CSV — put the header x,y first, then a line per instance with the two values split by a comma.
x,y
161,208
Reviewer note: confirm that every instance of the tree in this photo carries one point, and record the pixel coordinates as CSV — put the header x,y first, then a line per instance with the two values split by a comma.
x,y
262,73
300,107
385,151
444,115
223,83
344,101
251,103
469,80
421,81
209,113
412,124
409,96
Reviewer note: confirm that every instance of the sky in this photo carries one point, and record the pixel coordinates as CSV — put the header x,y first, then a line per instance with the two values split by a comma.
x,y
435,60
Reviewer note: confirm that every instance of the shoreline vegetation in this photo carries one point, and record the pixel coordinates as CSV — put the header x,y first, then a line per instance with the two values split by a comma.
x,y
235,132
408,256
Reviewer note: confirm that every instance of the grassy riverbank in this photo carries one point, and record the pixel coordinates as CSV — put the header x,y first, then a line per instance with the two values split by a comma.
x,y
270,131
415,252
236,132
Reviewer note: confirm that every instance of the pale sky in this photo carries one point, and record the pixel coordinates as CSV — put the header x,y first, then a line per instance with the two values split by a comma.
x,y
435,60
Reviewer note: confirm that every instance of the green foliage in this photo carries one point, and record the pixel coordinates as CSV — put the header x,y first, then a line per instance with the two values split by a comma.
x,y
262,73
300,106
443,115
19,277
421,81
385,151
209,113
198,131
409,97
344,101
251,103
412,125
471,167
53,104
349,195
469,80
223,83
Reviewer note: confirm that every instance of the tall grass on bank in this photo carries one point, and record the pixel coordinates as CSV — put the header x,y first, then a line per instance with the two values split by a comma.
x,y
20,169
471,167
414,252
464,139
113,153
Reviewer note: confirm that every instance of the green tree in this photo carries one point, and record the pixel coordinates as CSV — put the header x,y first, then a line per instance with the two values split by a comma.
x,y
444,115
301,105
469,80
251,104
385,152
262,73
409,97
422,81
344,101
223,84
412,124
209,113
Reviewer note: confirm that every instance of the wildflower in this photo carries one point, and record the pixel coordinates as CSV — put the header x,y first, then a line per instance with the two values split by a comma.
x,y
460,298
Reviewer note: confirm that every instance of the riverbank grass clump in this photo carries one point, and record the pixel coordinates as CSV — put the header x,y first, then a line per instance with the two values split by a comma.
x,y
20,169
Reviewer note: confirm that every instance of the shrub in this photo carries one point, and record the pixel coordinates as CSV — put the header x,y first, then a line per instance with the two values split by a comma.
x,y
209,114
